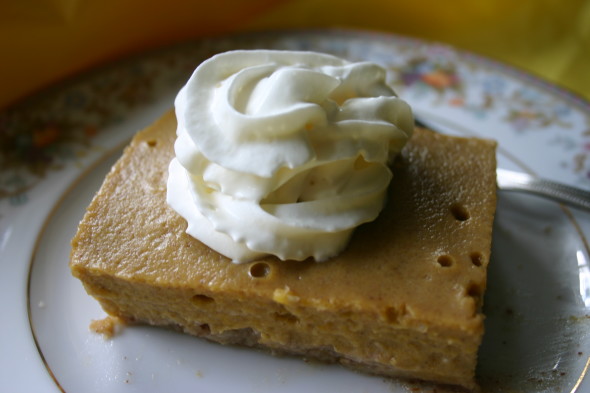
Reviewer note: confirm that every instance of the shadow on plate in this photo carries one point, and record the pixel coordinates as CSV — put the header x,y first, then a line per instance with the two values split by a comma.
x,y
536,317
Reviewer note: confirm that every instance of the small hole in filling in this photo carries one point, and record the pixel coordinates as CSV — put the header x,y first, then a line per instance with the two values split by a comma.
x,y
460,212
476,258
205,329
259,270
396,314
474,290
152,143
202,299
445,260
391,315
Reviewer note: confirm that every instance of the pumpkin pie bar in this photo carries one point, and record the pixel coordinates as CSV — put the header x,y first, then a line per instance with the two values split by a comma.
x,y
403,300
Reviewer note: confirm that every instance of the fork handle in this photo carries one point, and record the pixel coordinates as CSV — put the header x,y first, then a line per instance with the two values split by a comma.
x,y
572,196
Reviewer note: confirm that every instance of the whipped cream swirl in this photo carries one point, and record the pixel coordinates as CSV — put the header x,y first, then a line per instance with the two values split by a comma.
x,y
283,153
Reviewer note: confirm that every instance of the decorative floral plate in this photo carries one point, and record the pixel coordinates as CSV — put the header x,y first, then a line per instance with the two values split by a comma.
x,y
56,148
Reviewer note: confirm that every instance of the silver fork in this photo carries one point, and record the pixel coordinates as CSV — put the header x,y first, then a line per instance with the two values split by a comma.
x,y
518,181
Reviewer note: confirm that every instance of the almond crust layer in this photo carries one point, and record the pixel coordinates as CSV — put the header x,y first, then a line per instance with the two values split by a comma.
x,y
404,299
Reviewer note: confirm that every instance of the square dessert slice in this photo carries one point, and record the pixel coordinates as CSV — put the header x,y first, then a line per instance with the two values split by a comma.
x,y
404,299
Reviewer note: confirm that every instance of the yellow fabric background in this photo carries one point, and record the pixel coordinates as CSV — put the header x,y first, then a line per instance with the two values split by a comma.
x,y
44,41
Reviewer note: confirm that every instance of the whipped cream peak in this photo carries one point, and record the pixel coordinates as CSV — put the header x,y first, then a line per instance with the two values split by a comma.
x,y
283,152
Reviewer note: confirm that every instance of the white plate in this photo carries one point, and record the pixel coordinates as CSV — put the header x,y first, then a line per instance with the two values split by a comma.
x,y
56,148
